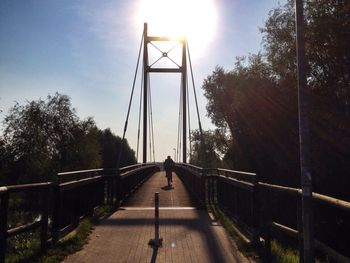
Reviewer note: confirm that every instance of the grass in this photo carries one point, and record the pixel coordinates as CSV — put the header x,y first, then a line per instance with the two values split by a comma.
x,y
279,253
246,248
71,243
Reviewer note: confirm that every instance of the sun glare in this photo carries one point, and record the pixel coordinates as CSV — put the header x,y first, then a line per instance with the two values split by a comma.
x,y
194,19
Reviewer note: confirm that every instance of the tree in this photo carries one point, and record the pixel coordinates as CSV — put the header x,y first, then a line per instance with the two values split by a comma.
x,y
327,47
110,145
208,148
328,54
42,138
257,101
260,118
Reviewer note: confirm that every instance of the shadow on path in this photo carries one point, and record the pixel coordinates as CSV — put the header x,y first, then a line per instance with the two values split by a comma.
x,y
154,255
167,187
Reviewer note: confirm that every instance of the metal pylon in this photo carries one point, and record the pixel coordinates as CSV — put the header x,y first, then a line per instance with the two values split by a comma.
x,y
152,69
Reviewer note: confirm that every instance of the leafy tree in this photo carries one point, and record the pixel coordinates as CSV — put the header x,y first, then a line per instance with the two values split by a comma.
x,y
327,47
256,102
207,149
44,137
110,145
328,53
260,118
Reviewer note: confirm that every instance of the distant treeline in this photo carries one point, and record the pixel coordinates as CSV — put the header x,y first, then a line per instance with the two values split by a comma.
x,y
255,108
44,137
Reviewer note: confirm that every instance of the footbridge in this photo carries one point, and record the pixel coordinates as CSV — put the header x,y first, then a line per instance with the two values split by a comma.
x,y
187,225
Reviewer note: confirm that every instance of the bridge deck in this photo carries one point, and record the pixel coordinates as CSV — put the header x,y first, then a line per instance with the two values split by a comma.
x,y
189,235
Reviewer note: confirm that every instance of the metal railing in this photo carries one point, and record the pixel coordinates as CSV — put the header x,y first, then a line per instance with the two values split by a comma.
x,y
253,205
76,195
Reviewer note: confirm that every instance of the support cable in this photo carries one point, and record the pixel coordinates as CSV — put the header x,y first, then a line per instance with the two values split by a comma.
x,y
130,102
178,147
149,122
194,91
189,118
181,125
149,127
139,122
202,144
151,130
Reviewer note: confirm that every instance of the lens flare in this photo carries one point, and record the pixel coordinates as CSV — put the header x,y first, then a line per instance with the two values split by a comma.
x,y
194,19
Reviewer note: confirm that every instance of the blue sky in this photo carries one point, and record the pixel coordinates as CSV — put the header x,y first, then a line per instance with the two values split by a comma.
x,y
88,50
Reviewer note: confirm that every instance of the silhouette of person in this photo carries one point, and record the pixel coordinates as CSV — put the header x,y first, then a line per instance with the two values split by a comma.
x,y
168,167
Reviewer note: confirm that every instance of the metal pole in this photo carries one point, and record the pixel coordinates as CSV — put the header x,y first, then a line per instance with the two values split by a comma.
x,y
145,91
304,130
184,92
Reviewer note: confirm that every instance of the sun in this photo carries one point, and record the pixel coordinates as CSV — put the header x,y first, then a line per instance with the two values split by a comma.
x,y
194,19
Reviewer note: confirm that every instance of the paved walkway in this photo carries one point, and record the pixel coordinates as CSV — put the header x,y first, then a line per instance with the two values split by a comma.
x,y
189,235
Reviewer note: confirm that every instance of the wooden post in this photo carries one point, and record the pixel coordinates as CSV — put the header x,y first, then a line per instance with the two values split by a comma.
x,y
56,215
118,188
46,197
300,230
266,224
3,224
113,181
255,212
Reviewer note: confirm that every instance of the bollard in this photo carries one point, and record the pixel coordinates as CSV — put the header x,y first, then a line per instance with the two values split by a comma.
x,y
156,241
156,214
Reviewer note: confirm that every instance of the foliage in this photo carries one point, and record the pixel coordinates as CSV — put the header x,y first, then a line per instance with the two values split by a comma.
x,y
282,254
327,47
24,247
254,105
255,117
66,246
209,146
111,145
328,53
44,137
228,224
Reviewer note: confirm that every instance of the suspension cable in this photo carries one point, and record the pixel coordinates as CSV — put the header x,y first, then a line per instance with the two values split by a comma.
x,y
178,147
189,117
149,126
130,102
194,91
139,121
151,123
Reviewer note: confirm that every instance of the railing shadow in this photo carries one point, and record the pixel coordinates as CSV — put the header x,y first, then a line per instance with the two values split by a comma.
x,y
200,222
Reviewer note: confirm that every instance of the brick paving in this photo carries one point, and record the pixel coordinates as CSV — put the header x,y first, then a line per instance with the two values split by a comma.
x,y
189,234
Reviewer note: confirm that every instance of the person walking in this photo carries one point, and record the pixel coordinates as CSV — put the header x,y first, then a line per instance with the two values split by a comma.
x,y
168,167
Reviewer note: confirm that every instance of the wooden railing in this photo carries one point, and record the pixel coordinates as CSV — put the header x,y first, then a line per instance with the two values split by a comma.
x,y
62,205
251,205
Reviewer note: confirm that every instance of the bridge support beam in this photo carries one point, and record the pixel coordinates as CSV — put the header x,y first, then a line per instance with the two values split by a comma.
x,y
145,92
150,69
184,102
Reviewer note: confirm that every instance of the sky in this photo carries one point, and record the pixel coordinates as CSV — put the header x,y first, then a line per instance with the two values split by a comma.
x,y
88,50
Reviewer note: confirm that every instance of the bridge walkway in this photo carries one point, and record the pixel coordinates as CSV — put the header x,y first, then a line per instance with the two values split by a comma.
x,y
189,234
